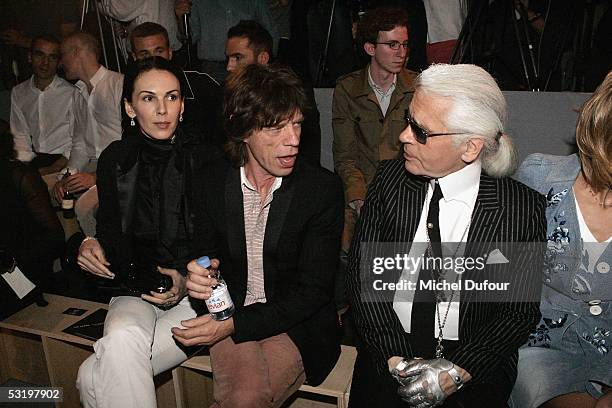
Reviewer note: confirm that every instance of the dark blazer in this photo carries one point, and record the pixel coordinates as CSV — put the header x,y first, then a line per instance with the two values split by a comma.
x,y
310,140
300,257
490,333
203,106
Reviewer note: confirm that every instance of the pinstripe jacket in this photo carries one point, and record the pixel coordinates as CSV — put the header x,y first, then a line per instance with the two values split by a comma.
x,y
490,333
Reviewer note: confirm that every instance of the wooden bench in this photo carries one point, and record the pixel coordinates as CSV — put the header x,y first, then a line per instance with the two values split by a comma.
x,y
34,349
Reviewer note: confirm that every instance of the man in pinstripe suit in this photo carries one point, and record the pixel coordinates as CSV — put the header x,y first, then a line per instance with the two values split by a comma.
x,y
452,184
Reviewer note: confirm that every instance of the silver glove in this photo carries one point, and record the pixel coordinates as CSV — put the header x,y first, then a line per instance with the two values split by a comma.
x,y
422,389
399,368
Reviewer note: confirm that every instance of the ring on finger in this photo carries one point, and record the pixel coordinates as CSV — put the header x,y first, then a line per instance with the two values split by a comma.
x,y
423,398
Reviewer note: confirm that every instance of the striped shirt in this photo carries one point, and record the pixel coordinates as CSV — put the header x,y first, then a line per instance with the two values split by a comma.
x,y
256,212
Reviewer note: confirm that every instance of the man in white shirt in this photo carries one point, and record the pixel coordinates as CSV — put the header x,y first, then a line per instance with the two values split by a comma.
x,y
444,23
46,112
452,186
102,91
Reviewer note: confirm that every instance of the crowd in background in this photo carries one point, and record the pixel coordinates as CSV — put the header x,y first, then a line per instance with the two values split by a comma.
x,y
199,79
525,45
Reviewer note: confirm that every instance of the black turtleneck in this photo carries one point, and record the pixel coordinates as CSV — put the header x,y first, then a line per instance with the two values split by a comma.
x,y
153,161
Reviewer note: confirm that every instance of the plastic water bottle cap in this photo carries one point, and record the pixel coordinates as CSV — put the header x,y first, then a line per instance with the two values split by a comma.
x,y
204,262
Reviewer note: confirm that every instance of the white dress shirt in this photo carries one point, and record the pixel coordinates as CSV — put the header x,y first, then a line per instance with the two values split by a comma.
x,y
103,118
460,190
444,19
45,121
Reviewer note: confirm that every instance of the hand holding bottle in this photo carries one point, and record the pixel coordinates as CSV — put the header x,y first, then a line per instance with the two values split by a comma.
x,y
219,302
199,281
173,295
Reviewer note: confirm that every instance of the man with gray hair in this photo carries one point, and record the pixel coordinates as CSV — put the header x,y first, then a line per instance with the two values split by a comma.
x,y
451,186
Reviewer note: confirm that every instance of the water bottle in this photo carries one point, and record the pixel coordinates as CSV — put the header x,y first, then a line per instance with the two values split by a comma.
x,y
220,303
68,198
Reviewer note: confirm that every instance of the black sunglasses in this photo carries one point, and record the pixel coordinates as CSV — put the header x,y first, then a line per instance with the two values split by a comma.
x,y
421,134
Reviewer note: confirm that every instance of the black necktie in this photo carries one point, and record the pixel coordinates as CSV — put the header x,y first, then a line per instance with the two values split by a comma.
x,y
424,305
433,221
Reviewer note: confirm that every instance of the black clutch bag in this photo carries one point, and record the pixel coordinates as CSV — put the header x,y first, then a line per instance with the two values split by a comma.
x,y
135,280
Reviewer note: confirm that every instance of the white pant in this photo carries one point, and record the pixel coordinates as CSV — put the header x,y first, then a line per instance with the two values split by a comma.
x,y
137,345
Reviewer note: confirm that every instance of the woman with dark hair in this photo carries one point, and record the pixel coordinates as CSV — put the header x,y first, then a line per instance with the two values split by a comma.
x,y
144,230
31,233
567,361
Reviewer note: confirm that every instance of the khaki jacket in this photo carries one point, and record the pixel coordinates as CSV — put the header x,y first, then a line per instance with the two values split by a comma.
x,y
362,135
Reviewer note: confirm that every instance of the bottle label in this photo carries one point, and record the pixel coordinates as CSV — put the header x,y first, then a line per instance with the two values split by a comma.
x,y
67,204
219,300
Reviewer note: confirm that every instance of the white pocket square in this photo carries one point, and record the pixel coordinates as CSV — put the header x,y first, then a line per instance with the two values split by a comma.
x,y
496,257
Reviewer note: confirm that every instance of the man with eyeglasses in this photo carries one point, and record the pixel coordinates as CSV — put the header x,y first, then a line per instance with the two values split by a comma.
x,y
45,112
449,198
368,107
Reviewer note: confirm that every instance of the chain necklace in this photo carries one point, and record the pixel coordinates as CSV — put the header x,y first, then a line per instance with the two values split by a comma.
x,y
438,295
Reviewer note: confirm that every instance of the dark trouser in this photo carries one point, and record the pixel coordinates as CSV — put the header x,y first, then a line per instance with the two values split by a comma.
x,y
340,56
44,160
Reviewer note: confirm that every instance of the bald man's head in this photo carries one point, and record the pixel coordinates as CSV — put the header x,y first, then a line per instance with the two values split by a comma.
x,y
84,41
79,49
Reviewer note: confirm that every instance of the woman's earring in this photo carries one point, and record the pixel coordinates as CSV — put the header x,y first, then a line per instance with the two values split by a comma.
x,y
132,123
181,118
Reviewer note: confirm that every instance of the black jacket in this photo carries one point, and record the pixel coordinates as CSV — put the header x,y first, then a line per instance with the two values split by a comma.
x,y
300,258
117,175
30,231
203,106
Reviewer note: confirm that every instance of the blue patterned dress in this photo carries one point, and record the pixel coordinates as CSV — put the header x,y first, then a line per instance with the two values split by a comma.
x,y
571,348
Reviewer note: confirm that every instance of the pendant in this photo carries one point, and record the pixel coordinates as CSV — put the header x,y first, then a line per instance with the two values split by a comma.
x,y
440,349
